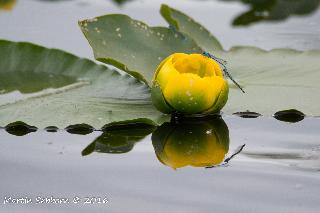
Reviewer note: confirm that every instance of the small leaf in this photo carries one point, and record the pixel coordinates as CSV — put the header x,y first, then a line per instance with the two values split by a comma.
x,y
20,128
291,115
247,114
51,129
80,129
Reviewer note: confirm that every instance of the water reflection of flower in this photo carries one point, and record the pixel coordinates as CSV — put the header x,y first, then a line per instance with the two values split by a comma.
x,y
198,142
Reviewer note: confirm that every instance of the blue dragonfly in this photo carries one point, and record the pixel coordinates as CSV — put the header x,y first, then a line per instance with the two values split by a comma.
x,y
224,68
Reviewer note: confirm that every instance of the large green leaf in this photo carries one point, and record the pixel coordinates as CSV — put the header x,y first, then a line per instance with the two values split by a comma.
x,y
132,45
49,87
273,80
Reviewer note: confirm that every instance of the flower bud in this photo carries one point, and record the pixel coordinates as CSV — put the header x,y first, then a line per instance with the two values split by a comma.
x,y
197,143
189,84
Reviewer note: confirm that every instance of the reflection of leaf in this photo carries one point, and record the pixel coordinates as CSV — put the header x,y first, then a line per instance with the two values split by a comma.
x,y
99,95
140,124
132,45
273,80
108,143
119,138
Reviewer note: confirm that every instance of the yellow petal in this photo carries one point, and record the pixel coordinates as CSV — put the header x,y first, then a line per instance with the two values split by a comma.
x,y
189,93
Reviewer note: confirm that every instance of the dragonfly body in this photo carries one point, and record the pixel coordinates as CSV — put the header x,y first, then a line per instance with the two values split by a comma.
x,y
224,68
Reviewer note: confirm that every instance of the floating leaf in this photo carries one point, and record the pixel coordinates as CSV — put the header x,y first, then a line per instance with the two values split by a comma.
x,y
132,45
247,114
291,115
20,128
80,129
51,129
72,90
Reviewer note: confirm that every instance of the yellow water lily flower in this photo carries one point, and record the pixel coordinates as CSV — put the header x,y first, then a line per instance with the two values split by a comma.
x,y
7,4
189,84
195,143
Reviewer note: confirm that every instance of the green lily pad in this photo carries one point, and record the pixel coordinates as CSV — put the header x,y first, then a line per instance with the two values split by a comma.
x,y
273,80
133,46
49,87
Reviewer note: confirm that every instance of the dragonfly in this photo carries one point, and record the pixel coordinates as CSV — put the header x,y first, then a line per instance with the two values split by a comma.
x,y
224,68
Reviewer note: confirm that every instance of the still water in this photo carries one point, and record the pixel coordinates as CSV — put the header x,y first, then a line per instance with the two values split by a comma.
x,y
277,170
143,170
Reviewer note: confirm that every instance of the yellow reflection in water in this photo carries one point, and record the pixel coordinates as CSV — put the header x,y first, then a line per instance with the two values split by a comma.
x,y
199,143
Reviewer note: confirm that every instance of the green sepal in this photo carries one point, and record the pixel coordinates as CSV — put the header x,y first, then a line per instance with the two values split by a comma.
x,y
158,100
221,100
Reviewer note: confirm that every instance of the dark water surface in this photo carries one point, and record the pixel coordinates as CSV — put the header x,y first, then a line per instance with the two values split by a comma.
x,y
277,170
